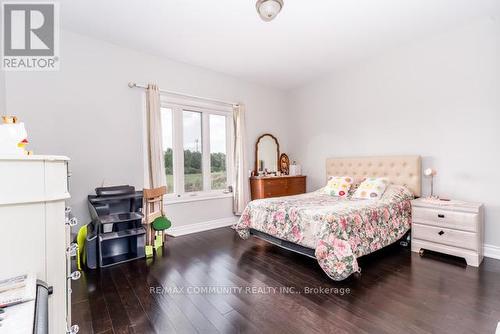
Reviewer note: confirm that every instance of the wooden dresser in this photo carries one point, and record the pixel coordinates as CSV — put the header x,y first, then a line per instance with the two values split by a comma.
x,y
275,186
451,227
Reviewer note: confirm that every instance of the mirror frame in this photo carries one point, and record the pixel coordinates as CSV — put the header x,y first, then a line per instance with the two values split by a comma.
x,y
256,170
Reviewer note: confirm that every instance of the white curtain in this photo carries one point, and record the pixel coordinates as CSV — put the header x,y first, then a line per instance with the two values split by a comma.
x,y
240,178
156,163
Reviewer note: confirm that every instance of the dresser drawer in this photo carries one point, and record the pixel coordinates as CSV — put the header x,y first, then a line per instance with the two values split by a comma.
x,y
449,219
265,187
296,186
445,236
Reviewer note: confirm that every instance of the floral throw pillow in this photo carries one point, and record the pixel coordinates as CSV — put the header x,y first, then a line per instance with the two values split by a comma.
x,y
371,188
338,185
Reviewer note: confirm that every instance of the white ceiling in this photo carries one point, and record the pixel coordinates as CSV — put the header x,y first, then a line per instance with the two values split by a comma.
x,y
307,39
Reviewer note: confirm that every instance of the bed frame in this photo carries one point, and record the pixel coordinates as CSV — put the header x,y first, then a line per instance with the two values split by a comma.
x,y
403,170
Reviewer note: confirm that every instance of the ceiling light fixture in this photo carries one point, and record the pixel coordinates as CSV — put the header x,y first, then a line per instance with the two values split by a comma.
x,y
268,9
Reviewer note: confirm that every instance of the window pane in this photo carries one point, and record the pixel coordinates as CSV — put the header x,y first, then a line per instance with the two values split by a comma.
x,y
218,174
166,123
193,177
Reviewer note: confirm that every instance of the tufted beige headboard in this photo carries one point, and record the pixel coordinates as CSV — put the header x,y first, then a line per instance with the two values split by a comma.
x,y
404,170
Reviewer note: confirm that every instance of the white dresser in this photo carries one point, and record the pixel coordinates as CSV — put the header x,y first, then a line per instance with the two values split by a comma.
x,y
451,227
35,229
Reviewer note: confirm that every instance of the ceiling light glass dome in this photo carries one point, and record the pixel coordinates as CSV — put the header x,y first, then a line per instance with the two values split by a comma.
x,y
268,9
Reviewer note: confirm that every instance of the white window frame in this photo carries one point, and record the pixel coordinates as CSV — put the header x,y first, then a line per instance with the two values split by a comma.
x,y
178,105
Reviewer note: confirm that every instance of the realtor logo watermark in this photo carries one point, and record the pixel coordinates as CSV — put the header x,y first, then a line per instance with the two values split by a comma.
x,y
30,38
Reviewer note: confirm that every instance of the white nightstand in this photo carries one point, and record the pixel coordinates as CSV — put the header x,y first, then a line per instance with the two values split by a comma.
x,y
451,227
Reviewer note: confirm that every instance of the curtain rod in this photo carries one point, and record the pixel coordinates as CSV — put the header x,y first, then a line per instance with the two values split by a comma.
x,y
136,85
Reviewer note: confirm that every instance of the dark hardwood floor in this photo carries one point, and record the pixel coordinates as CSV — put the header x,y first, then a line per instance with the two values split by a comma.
x,y
397,292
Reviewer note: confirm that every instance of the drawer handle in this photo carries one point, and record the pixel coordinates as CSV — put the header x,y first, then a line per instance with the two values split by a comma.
x,y
75,275
73,329
72,250
441,232
440,215
72,222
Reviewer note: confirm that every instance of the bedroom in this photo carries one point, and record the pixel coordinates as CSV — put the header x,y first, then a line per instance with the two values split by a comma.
x,y
409,90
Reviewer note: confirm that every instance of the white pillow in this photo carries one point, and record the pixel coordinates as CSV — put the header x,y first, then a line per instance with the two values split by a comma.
x,y
338,186
371,188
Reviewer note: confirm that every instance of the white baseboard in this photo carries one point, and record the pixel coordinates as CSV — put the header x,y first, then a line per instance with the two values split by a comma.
x,y
492,251
203,226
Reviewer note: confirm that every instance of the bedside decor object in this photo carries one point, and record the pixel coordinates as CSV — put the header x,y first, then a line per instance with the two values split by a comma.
x,y
284,164
451,227
431,172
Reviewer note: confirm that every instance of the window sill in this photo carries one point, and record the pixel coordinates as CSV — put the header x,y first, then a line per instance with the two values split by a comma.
x,y
197,198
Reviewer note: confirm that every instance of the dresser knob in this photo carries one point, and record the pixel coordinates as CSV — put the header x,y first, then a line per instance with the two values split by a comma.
x,y
75,275
72,221
440,215
441,232
72,250
73,329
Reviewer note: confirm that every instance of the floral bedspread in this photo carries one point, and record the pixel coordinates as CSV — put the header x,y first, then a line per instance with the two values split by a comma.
x,y
339,229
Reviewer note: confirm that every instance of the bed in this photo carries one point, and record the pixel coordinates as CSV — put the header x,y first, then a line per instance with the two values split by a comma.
x,y
336,231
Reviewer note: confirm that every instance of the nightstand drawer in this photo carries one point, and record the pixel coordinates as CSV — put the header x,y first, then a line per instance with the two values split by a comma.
x,y
445,236
443,218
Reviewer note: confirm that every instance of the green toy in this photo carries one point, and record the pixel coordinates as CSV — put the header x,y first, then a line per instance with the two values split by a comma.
x,y
148,250
80,240
158,241
161,223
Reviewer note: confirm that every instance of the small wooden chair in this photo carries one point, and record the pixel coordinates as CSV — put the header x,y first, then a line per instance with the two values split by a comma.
x,y
153,209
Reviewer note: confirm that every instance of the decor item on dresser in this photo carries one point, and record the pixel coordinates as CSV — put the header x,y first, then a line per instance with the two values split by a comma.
x,y
448,226
267,152
36,228
276,186
13,136
284,164
295,169
431,172
116,225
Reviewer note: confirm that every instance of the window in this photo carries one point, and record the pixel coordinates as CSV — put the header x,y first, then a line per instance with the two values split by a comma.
x,y
193,174
168,151
197,147
218,174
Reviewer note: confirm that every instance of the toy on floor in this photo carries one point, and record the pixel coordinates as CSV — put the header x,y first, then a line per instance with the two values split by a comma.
x,y
154,218
80,240
13,137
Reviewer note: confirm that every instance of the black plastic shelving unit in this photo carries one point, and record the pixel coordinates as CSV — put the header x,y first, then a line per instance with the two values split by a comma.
x,y
117,219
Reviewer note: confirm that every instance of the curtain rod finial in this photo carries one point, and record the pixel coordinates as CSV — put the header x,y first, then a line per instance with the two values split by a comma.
x,y
132,84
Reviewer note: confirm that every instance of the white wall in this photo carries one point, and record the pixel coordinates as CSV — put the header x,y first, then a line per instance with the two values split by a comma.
x,y
87,112
2,93
438,98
